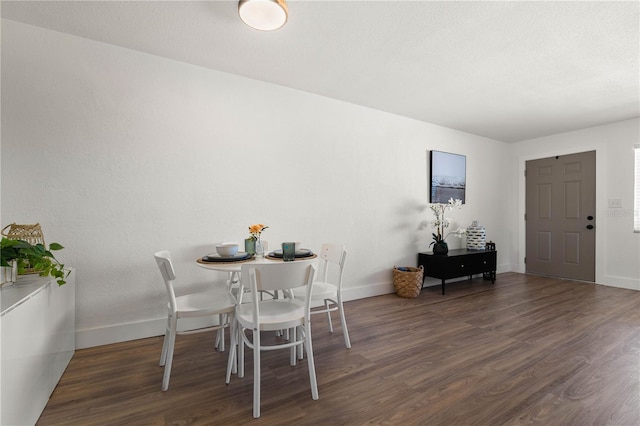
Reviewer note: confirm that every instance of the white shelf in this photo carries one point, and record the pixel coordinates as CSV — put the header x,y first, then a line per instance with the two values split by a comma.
x,y
37,331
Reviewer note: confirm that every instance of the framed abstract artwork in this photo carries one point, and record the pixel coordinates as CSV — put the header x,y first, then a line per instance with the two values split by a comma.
x,y
448,176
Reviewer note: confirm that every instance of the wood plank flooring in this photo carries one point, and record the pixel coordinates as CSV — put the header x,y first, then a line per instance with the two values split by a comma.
x,y
525,350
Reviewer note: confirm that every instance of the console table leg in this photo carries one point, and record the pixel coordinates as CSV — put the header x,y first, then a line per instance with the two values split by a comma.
x,y
442,286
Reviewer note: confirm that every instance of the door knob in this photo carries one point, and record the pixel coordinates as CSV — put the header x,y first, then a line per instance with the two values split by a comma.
x,y
589,226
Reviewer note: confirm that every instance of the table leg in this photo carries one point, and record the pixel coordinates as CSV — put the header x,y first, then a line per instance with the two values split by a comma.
x,y
234,280
443,286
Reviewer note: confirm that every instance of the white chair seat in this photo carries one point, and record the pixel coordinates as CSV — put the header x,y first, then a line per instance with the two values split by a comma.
x,y
274,314
320,291
203,304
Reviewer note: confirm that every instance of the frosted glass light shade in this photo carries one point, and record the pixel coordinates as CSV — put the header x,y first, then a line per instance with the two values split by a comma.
x,y
264,15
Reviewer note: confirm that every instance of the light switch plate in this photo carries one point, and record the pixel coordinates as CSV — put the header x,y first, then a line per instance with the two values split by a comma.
x,y
615,203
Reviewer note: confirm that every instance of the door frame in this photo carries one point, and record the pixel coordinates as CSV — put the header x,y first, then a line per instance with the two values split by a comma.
x,y
601,227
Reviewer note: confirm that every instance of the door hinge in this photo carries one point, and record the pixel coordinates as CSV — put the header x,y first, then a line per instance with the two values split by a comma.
x,y
525,260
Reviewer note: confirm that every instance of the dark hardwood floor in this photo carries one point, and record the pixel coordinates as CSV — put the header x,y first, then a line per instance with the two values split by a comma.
x,y
526,350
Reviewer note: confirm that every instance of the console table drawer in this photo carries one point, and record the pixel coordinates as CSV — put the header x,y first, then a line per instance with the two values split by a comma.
x,y
477,263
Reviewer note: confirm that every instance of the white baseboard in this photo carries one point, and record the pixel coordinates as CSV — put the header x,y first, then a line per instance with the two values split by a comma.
x,y
606,280
621,282
131,331
355,293
119,333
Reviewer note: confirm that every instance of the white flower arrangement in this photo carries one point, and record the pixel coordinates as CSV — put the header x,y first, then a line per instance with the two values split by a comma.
x,y
441,223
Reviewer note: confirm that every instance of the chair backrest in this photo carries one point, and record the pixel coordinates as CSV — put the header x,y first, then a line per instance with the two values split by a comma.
x,y
334,254
163,259
278,275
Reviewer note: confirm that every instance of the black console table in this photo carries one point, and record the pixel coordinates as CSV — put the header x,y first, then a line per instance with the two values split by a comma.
x,y
459,263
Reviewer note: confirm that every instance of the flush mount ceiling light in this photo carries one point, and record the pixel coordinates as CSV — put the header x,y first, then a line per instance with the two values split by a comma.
x,y
264,15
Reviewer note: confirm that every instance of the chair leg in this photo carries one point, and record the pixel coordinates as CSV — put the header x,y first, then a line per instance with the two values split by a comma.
x,y
169,357
326,307
343,320
279,333
293,338
233,331
222,319
241,344
232,362
300,350
310,361
217,342
256,374
165,342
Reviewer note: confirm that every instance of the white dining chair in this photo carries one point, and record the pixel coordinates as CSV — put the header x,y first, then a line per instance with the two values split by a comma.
x,y
328,291
259,316
211,303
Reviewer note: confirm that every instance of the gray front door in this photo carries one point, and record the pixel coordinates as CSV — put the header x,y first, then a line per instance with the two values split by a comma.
x,y
560,216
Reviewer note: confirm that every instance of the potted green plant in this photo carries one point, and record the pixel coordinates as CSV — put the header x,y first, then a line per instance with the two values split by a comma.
x,y
22,255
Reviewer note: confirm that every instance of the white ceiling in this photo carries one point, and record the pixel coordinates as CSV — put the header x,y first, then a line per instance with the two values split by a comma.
x,y
509,70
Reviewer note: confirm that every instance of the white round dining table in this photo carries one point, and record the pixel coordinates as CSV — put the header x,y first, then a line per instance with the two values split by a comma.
x,y
234,268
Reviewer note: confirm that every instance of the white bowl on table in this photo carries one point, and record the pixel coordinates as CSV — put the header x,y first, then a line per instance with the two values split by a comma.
x,y
227,249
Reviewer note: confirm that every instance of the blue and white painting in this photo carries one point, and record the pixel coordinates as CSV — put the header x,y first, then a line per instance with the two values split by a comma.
x,y
448,176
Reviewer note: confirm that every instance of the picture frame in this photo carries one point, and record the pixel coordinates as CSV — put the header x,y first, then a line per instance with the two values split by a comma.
x,y
447,176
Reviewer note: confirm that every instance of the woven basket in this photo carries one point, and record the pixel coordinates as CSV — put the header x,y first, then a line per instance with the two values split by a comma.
x,y
29,233
408,283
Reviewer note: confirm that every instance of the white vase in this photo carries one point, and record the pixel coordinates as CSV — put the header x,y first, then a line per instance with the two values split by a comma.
x,y
476,236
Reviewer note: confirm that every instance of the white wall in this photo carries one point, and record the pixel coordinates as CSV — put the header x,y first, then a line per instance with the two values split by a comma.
x,y
617,246
119,154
